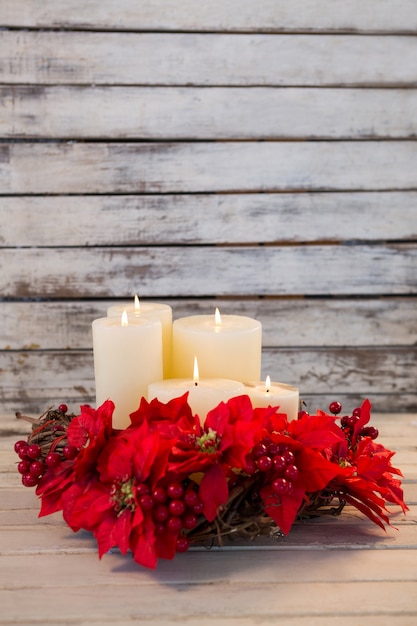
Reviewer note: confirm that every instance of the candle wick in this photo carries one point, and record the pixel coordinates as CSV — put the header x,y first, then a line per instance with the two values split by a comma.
x,y
195,383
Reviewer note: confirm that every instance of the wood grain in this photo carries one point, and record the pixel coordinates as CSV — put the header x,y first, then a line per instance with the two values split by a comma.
x,y
234,15
194,219
207,113
114,58
229,271
74,168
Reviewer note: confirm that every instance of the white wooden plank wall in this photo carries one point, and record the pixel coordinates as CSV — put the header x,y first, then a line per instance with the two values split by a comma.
x,y
257,156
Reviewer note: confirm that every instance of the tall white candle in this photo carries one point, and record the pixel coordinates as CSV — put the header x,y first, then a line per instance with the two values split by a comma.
x,y
156,310
227,347
269,393
127,357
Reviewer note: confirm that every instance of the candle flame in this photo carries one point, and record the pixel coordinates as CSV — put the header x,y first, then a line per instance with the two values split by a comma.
x,y
217,317
268,384
137,304
124,320
196,376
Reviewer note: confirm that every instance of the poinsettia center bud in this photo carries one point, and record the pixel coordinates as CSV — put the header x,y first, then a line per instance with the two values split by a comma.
x,y
123,496
208,442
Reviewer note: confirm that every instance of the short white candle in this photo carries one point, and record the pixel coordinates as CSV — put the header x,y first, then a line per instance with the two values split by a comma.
x,y
127,357
226,347
267,394
156,310
203,394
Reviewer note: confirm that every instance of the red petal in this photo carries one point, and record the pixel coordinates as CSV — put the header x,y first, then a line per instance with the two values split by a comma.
x,y
213,491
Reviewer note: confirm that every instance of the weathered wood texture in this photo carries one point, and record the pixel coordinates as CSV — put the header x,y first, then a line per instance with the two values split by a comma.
x,y
379,16
261,158
340,571
207,113
66,57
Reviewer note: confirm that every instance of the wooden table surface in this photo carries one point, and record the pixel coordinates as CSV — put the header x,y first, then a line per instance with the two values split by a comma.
x,y
343,571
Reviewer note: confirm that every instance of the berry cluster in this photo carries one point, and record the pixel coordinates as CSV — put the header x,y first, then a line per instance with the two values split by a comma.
x,y
46,447
174,508
348,422
276,458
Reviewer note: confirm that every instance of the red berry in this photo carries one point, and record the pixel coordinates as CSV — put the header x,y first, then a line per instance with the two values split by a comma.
x,y
29,481
146,502
357,412
160,513
63,408
302,414
159,495
264,463
23,467
176,507
335,407
53,459
69,452
289,457
280,486
191,498
142,488
369,431
34,451
182,544
175,490
260,449
37,468
20,446
291,472
274,449
190,520
279,463
174,524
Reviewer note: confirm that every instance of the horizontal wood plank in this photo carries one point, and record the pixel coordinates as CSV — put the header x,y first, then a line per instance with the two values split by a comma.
x,y
195,219
75,168
65,57
207,271
265,600
34,378
234,15
285,322
207,113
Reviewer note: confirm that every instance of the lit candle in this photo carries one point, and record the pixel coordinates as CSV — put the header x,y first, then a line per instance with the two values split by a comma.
x,y
227,346
283,396
127,357
203,394
156,310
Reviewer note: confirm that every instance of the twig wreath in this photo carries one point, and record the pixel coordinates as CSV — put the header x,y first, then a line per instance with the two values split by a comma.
x,y
167,481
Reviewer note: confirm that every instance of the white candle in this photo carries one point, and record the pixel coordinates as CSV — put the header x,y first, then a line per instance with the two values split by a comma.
x,y
203,395
227,347
267,394
156,310
127,357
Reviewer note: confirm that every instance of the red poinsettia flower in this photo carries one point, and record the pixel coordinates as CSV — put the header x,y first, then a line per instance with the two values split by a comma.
x,y
116,504
366,481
